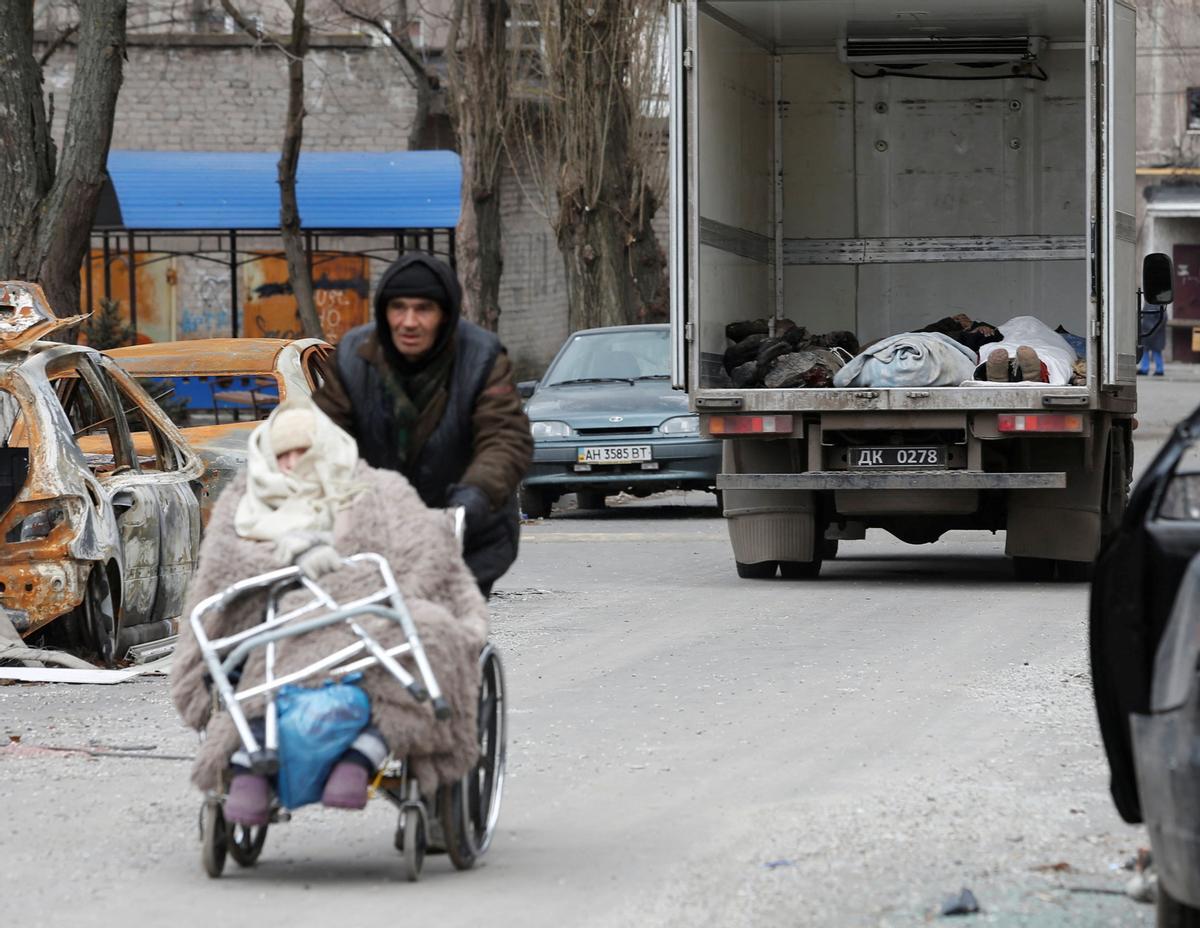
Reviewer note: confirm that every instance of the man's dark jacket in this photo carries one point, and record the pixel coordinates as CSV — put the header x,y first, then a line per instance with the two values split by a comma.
x,y
473,432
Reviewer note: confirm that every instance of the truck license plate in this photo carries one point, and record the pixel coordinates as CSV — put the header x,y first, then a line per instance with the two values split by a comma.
x,y
614,454
897,457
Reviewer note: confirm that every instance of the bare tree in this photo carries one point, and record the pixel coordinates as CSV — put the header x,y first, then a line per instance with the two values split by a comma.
x,y
294,48
479,104
477,100
47,203
416,69
592,130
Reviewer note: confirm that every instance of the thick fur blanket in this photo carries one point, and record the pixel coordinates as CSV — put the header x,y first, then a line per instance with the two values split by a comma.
x,y
440,592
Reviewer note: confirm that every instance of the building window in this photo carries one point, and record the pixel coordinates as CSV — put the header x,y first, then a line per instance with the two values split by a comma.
x,y
1193,109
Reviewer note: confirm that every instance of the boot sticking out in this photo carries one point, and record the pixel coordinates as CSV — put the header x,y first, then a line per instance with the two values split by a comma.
x,y
249,800
346,787
1030,365
997,366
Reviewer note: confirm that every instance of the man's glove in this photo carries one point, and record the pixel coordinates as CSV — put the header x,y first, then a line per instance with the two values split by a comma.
x,y
473,500
312,552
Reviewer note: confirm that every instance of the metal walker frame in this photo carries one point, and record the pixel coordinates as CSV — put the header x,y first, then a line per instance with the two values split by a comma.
x,y
223,656
460,819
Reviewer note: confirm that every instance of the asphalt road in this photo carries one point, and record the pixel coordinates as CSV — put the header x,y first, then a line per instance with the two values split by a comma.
x,y
686,748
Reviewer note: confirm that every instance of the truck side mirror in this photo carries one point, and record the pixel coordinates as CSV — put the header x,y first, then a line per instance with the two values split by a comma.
x,y
1158,279
526,387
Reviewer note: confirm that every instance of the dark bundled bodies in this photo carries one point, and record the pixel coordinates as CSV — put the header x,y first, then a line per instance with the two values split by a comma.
x,y
793,357
966,331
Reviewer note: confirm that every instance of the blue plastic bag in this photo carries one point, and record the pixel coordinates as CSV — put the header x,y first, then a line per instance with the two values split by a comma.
x,y
315,728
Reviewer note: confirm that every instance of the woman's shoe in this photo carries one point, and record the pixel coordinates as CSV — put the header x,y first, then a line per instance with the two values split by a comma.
x,y
346,787
249,800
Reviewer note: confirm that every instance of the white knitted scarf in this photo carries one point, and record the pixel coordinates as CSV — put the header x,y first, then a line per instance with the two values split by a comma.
x,y
307,498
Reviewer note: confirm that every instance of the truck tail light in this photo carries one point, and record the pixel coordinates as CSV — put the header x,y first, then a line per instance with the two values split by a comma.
x,y
749,425
1040,422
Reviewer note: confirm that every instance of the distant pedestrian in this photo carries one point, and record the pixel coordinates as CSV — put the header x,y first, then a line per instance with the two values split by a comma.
x,y
431,395
1153,338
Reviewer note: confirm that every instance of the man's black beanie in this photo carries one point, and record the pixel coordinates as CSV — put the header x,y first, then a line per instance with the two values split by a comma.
x,y
416,280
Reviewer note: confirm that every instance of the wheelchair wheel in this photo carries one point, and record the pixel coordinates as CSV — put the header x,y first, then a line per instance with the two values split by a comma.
x,y
471,806
246,843
213,837
411,839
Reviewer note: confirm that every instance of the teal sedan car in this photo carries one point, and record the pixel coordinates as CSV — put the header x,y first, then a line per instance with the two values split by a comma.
x,y
605,420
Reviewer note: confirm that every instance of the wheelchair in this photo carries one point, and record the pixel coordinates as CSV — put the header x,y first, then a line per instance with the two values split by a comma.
x,y
460,820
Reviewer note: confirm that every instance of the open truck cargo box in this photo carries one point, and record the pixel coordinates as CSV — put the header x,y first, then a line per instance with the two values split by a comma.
x,y
870,167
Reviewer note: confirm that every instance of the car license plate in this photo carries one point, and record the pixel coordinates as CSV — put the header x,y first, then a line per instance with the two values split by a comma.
x,y
897,457
614,454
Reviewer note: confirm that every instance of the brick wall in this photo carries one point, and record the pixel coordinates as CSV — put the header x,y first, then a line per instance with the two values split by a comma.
x,y
221,93
196,91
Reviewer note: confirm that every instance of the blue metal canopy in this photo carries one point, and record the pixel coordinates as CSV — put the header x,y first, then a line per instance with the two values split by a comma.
x,y
210,191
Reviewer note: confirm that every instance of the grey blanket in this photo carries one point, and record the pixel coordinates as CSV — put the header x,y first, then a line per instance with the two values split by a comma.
x,y
441,594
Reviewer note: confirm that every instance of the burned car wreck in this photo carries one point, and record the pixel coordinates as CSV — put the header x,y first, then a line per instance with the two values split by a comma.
x,y
216,390
100,539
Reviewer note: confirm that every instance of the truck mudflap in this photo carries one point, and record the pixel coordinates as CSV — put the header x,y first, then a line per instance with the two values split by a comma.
x,y
894,480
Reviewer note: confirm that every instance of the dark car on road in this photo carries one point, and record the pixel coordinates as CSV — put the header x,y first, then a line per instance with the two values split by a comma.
x,y
605,420
1145,648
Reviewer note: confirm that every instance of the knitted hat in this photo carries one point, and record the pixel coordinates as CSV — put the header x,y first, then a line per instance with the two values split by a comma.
x,y
416,279
292,429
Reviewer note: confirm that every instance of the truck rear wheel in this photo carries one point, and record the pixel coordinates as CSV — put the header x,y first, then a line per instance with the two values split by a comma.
x,y
764,570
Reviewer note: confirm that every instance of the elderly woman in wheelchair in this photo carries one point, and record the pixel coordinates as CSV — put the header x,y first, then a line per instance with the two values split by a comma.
x,y
335,639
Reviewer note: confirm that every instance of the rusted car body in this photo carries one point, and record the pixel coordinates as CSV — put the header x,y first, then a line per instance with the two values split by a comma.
x,y
96,531
249,375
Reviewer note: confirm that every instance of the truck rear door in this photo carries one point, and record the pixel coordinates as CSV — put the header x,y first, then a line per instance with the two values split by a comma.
x,y
679,147
1113,43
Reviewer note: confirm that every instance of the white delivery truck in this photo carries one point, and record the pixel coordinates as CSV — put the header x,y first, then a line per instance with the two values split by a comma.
x,y
872,166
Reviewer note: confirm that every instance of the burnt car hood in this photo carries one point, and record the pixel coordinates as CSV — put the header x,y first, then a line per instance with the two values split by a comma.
x,y
588,405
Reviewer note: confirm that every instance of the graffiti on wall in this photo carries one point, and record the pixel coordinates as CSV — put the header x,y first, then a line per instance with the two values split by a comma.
x,y
341,285
155,279
206,313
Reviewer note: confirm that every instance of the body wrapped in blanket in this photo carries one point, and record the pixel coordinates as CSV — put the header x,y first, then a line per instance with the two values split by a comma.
x,y
341,506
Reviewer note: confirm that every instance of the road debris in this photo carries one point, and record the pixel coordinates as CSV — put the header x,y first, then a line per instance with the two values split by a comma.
x,y
13,648
961,903
1060,867
92,675
17,748
1143,885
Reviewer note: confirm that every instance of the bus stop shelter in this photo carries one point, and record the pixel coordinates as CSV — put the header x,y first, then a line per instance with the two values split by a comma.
x,y
208,207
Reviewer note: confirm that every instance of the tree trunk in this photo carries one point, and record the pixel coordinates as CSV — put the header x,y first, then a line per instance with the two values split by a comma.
x,y
416,70
47,210
480,105
289,160
648,266
615,265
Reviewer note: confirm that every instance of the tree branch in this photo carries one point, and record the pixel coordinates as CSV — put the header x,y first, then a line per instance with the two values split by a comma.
x,y
402,44
251,29
59,41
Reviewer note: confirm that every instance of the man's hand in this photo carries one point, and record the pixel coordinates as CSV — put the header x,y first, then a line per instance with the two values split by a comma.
x,y
473,500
